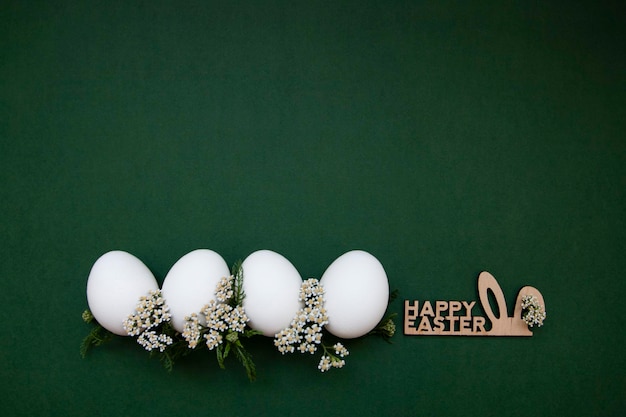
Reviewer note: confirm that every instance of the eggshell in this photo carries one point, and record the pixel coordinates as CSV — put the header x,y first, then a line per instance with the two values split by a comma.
x,y
116,281
356,294
272,286
191,282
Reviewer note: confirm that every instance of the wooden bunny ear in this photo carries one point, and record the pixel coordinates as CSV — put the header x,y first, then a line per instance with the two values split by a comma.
x,y
503,325
517,314
487,282
527,290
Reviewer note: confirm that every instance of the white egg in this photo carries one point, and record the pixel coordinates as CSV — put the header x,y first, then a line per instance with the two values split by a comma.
x,y
191,282
356,294
271,285
116,281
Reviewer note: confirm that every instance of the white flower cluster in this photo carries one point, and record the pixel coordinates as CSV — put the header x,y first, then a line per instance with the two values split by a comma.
x,y
191,331
149,313
151,340
224,289
305,329
533,313
219,318
331,361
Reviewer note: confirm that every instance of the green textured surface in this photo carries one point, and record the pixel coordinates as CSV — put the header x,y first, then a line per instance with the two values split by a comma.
x,y
445,138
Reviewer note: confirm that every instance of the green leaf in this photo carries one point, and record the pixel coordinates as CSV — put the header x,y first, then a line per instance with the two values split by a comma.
x,y
166,361
246,360
238,292
250,332
226,350
96,337
219,351
172,353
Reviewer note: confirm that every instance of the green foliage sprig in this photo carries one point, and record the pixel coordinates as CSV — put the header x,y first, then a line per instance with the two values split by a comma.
x,y
177,349
238,293
386,328
225,323
98,335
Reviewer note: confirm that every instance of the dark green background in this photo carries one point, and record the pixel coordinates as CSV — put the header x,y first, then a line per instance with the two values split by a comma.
x,y
445,138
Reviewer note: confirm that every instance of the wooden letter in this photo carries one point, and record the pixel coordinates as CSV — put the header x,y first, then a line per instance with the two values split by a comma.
x,y
411,310
427,309
468,308
424,325
410,313
454,307
452,320
465,323
439,326
440,306
479,325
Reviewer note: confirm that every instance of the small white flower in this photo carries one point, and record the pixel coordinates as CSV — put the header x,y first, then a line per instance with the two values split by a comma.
x,y
341,350
324,364
338,363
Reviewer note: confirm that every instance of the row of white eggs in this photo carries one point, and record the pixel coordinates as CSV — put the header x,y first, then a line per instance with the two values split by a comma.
x,y
355,284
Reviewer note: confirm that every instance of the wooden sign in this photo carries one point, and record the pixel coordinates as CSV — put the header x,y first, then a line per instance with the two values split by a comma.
x,y
454,318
